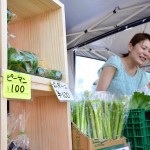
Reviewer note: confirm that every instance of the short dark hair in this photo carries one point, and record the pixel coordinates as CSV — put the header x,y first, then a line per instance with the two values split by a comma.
x,y
137,38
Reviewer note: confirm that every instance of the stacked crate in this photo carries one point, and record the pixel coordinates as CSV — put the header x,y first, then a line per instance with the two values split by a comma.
x,y
137,129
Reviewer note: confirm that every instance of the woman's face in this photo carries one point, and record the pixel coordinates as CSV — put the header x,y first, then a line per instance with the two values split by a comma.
x,y
140,52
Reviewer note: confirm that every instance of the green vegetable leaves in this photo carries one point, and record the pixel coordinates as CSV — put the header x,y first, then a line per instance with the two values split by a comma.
x,y
27,62
22,61
140,101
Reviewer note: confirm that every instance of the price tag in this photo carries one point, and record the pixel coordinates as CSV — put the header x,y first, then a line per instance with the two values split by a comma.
x,y
62,91
16,85
124,148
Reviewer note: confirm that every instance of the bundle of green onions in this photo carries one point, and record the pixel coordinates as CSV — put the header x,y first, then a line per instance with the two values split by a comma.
x,y
99,117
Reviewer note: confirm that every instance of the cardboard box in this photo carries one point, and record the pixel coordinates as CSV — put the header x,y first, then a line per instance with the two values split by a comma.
x,y
83,142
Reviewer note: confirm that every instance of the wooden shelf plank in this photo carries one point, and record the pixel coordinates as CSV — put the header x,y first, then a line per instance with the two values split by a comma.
x,y
32,8
40,83
40,86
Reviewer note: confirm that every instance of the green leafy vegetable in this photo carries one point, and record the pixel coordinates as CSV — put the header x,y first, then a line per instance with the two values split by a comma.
x,y
22,61
48,73
140,101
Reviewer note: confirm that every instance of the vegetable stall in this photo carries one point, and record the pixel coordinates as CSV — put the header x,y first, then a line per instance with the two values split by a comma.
x,y
102,117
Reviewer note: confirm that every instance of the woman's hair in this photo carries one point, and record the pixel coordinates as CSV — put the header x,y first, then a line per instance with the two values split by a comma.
x,y
137,38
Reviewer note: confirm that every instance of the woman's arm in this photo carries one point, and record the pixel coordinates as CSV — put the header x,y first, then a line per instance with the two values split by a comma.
x,y
106,76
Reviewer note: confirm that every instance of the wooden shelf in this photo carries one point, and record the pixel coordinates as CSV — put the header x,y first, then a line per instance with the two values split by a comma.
x,y
40,83
42,33
31,8
41,87
39,28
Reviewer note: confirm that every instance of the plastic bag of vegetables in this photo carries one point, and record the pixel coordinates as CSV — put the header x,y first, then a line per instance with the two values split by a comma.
x,y
22,61
49,73
100,115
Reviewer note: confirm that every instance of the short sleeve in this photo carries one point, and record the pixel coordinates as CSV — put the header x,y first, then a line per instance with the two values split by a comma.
x,y
113,61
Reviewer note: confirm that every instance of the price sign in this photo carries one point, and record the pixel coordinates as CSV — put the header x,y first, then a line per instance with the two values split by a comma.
x,y
62,91
16,85
124,148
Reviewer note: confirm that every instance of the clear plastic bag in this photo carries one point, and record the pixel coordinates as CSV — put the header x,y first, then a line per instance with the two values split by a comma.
x,y
102,115
21,142
49,73
22,61
12,122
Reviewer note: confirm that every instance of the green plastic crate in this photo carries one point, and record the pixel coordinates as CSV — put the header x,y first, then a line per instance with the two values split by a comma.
x,y
137,129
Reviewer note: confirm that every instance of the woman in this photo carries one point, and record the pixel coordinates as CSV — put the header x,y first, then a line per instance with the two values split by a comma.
x,y
123,75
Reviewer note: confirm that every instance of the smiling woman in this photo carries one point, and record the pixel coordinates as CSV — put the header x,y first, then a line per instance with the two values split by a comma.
x,y
123,75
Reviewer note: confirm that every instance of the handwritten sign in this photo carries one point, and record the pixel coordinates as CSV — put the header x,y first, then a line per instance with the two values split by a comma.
x,y
62,91
16,85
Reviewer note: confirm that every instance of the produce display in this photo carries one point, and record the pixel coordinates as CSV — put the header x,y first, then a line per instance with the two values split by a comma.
x,y
22,61
100,115
28,62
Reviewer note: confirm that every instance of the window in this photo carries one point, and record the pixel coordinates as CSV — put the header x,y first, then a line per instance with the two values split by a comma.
x,y
86,73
